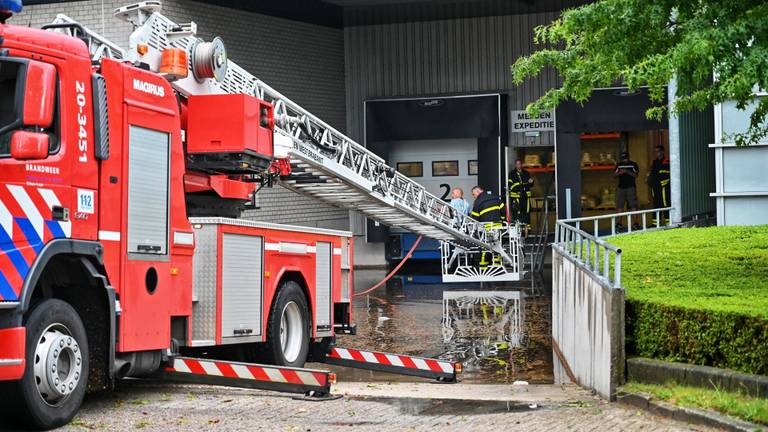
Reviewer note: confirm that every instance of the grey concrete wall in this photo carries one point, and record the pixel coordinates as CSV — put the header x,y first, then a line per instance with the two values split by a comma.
x,y
587,326
652,371
303,61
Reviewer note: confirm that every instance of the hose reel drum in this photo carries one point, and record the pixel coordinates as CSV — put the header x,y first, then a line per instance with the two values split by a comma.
x,y
209,59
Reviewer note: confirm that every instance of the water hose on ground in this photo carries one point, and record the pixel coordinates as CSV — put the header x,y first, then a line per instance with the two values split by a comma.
x,y
394,270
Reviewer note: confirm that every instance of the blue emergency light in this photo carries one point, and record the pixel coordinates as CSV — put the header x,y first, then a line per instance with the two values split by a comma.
x,y
13,6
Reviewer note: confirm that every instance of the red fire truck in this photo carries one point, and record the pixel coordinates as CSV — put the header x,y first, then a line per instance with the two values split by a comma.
x,y
113,253
121,254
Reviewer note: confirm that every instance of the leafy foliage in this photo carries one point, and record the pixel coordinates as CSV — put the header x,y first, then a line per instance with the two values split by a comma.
x,y
650,42
704,337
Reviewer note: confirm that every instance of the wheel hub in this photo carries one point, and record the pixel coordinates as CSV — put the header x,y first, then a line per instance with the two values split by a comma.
x,y
58,364
291,331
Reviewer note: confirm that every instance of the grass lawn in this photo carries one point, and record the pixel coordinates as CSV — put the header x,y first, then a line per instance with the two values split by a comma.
x,y
733,404
722,269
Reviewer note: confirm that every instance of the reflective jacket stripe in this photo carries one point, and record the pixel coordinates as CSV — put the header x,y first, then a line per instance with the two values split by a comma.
x,y
484,211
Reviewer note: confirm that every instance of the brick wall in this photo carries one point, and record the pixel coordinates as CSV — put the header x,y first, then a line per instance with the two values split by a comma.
x,y
303,61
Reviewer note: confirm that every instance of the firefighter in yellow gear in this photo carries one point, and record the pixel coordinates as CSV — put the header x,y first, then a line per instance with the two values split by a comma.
x,y
519,187
658,180
489,210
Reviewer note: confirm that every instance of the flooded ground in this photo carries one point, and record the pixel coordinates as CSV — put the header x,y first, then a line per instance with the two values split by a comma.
x,y
501,334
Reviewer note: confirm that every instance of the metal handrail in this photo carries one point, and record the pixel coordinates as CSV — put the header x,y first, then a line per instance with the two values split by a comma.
x,y
594,253
572,239
630,215
542,231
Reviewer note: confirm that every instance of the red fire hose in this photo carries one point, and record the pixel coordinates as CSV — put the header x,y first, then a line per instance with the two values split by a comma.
x,y
394,270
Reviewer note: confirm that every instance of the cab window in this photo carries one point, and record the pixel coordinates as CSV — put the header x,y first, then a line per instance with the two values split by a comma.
x,y
9,118
11,105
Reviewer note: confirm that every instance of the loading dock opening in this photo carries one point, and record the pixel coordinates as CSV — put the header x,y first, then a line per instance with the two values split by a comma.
x,y
589,140
442,142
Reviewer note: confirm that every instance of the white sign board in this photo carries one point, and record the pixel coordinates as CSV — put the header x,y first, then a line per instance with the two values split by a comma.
x,y
524,122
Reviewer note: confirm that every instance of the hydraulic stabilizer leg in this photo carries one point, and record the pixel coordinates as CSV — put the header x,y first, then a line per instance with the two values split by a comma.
x,y
440,370
309,382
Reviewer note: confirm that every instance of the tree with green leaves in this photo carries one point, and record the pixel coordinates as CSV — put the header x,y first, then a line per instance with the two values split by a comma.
x,y
649,43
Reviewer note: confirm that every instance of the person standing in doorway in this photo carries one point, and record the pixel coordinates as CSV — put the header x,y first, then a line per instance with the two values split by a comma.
x,y
626,171
519,186
658,180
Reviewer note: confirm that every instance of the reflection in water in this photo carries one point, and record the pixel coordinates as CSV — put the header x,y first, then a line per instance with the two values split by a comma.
x,y
481,327
499,334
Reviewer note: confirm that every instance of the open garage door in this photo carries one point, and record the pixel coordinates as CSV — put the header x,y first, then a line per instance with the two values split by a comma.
x,y
441,143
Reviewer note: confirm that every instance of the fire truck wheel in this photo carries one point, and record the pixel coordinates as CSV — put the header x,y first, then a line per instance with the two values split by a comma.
x,y
289,328
56,370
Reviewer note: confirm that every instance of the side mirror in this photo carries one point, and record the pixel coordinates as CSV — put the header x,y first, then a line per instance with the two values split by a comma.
x,y
39,94
27,145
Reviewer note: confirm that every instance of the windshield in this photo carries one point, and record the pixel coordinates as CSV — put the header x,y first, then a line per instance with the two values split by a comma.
x,y
9,73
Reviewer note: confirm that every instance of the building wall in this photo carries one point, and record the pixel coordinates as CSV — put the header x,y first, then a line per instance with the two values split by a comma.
x,y
741,183
697,180
440,57
303,61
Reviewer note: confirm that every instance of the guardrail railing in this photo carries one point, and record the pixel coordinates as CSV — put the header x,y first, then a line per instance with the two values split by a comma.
x,y
581,239
594,253
622,223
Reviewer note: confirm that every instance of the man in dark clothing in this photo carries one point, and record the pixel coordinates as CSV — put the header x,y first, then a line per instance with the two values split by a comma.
x,y
489,210
626,194
658,180
519,186
626,171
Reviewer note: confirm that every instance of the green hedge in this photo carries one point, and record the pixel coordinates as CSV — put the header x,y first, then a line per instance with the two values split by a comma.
x,y
705,337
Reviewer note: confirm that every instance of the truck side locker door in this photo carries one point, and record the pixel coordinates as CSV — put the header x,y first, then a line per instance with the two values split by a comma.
x,y
146,293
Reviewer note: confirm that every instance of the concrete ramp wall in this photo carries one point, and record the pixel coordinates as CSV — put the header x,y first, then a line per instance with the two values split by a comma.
x,y
587,326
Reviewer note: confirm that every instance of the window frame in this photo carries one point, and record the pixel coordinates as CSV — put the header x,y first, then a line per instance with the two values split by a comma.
x,y
469,167
54,143
454,162
417,163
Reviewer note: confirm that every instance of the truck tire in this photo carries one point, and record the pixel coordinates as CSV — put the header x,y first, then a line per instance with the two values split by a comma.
x,y
288,330
56,371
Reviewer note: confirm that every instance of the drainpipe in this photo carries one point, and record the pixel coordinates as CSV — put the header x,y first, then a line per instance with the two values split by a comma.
x,y
674,155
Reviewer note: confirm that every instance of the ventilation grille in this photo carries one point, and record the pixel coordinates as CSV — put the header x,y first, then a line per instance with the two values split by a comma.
x,y
101,118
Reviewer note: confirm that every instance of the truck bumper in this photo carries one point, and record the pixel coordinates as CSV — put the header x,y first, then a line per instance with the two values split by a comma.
x,y
12,347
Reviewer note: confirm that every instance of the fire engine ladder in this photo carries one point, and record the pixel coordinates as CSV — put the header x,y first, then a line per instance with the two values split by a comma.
x,y
326,164
99,46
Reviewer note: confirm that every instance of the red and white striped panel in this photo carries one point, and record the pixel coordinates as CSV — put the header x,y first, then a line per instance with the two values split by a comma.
x,y
403,361
248,372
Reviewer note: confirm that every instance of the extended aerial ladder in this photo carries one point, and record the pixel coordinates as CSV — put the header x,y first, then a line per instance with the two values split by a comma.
x,y
325,164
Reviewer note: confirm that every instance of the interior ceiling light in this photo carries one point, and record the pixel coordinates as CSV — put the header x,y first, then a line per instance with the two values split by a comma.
x,y
431,103
626,92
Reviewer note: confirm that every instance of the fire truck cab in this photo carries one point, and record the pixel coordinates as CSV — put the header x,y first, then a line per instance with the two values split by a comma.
x,y
116,251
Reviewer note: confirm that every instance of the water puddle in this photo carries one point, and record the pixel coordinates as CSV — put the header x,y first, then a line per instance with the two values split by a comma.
x,y
499,333
439,407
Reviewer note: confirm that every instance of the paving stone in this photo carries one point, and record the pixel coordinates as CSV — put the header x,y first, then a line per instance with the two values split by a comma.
x,y
154,407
